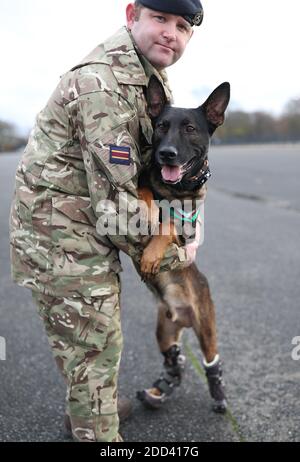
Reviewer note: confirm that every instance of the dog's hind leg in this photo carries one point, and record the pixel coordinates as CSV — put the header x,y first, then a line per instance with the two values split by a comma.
x,y
205,328
168,336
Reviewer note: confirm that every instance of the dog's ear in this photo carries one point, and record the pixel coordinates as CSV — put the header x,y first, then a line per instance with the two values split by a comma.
x,y
156,97
215,106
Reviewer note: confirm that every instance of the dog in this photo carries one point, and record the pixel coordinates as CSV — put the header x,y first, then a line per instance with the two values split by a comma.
x,y
179,170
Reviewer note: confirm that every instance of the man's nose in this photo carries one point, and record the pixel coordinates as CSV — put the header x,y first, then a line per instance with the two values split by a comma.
x,y
168,153
169,33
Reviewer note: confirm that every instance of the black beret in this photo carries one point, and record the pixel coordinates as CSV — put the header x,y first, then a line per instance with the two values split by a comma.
x,y
190,10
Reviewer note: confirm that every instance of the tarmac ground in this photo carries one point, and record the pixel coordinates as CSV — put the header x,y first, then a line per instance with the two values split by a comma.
x,y
251,257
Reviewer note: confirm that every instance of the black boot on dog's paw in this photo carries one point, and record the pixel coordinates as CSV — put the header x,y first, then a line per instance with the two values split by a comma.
x,y
174,364
216,385
151,398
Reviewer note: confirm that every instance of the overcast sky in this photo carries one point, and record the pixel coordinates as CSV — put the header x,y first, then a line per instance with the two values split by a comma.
x,y
253,44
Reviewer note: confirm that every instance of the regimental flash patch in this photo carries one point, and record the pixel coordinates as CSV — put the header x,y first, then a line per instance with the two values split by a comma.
x,y
120,155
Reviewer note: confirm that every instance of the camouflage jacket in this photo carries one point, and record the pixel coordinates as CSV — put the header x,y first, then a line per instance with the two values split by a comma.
x,y
68,167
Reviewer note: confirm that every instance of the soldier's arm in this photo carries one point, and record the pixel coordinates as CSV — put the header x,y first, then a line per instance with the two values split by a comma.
x,y
105,123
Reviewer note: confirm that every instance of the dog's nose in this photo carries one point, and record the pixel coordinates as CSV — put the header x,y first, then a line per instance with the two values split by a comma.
x,y
167,154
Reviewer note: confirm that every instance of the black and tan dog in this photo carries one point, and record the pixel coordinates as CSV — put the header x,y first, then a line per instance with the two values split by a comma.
x,y
179,171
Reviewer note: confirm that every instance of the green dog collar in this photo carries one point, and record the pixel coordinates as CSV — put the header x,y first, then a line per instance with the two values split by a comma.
x,y
180,214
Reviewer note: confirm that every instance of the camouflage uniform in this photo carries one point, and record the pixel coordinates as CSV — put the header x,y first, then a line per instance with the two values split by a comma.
x,y
56,251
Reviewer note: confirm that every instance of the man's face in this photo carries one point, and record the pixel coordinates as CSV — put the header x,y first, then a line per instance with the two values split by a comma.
x,y
161,37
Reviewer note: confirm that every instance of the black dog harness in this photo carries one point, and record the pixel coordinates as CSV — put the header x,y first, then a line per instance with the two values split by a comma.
x,y
198,180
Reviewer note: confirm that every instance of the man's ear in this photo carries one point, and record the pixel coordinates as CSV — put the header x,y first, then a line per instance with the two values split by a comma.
x,y
156,97
215,106
130,15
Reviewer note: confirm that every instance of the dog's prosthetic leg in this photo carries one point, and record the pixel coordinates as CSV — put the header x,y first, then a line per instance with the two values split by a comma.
x,y
171,377
216,384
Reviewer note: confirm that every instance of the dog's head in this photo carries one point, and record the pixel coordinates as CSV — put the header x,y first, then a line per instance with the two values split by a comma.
x,y
181,136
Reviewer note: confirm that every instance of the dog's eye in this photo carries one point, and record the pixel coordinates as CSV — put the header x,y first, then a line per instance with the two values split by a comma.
x,y
190,128
162,127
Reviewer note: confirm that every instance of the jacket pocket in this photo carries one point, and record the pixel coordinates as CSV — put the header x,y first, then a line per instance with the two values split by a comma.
x,y
84,321
77,250
30,237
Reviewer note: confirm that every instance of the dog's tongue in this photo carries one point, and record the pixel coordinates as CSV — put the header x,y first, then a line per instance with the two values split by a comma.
x,y
170,173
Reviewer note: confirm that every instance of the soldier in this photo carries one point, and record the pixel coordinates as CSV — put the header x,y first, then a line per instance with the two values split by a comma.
x,y
88,145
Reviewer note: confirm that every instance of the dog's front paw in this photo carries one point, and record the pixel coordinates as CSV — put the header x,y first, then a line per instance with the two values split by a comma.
x,y
150,263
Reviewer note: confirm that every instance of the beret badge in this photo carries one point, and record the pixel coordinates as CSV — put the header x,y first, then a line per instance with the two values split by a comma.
x,y
197,19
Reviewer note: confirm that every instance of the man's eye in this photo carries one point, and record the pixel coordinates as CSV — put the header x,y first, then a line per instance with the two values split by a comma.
x,y
160,18
182,28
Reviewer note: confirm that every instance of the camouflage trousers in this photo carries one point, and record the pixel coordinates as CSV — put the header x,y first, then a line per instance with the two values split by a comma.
x,y
86,339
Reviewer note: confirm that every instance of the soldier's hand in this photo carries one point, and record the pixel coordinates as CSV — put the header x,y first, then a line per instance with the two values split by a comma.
x,y
192,247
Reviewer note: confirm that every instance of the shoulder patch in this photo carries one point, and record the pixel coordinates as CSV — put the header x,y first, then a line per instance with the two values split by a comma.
x,y
120,155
